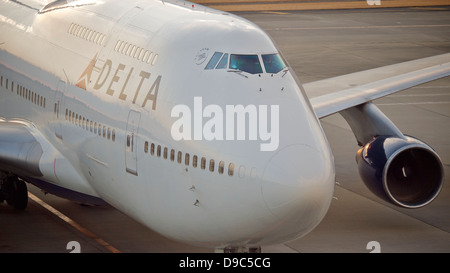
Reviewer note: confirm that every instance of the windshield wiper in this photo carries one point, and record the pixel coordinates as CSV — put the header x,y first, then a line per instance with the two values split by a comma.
x,y
239,72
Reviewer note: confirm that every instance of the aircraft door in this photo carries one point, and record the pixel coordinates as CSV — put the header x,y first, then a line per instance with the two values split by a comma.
x,y
58,108
131,142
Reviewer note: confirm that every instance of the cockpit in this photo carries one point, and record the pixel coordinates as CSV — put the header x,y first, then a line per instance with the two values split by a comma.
x,y
250,63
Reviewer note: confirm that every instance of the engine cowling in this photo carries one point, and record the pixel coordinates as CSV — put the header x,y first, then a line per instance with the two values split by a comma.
x,y
405,172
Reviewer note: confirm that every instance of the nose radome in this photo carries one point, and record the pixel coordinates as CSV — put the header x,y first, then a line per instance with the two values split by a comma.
x,y
297,185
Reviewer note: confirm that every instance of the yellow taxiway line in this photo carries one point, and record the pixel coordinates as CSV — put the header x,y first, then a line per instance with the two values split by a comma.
x,y
73,223
267,5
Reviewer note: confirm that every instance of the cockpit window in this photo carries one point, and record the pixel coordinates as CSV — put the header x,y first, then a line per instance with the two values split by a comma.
x,y
273,63
246,63
214,60
223,62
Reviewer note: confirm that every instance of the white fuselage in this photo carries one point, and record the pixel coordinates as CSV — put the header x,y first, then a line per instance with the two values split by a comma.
x,y
100,83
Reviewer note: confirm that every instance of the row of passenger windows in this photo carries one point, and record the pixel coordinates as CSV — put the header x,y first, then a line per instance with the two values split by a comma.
x,y
6,81
110,134
273,63
23,92
186,159
86,34
90,125
136,52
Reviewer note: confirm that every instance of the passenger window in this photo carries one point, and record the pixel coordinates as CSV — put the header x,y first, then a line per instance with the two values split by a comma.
x,y
91,35
144,59
242,171
273,63
186,159
194,161
125,48
113,136
203,163
214,60
211,165
231,169
152,149
172,155
146,147
221,167
136,53
246,63
154,59
165,152
158,151
116,48
179,157
223,62
150,57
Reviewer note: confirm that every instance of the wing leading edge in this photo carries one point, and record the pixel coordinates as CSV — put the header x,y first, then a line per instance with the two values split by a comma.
x,y
25,153
397,168
336,94
20,152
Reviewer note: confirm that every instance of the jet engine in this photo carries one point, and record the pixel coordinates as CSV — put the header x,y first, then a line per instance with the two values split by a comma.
x,y
404,171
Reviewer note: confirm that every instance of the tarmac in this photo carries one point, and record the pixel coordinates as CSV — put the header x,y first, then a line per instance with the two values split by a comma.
x,y
317,44
286,5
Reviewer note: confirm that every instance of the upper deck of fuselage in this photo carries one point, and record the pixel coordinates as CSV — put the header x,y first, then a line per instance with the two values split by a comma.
x,y
122,52
133,34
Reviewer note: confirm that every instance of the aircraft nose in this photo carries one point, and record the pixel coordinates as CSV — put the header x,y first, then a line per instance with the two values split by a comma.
x,y
297,186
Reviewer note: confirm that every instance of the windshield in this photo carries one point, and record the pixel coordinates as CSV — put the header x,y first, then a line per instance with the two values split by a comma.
x,y
273,63
246,63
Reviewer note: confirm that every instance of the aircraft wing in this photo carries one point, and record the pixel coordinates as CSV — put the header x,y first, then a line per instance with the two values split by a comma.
x,y
20,151
336,94
25,152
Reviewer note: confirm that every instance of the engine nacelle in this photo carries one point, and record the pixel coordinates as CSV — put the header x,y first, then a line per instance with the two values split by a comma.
x,y
405,172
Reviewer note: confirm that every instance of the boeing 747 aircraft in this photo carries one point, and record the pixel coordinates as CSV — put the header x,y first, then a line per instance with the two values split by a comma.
x,y
190,121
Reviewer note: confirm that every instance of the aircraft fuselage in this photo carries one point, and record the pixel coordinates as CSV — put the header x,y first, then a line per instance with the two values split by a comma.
x,y
111,88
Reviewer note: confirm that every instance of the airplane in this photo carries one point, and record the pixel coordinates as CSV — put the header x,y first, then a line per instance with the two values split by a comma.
x,y
190,121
